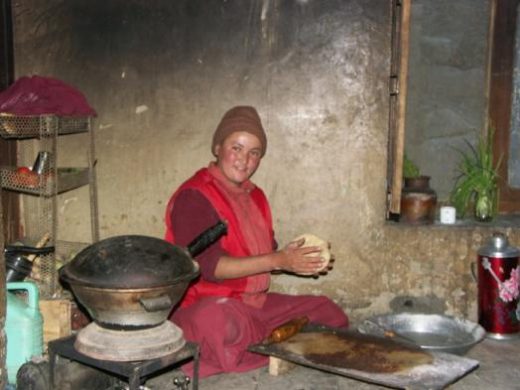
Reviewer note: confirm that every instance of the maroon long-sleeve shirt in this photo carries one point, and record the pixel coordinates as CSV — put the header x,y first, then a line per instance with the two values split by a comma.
x,y
192,214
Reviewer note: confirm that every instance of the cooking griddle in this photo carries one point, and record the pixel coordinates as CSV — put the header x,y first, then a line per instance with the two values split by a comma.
x,y
369,358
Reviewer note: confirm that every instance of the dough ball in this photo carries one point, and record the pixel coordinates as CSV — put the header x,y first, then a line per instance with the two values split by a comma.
x,y
312,240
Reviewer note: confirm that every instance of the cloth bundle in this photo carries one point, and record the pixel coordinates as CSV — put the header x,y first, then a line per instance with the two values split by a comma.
x,y
38,95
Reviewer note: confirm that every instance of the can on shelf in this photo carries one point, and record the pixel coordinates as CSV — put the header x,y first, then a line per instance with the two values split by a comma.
x,y
498,279
42,163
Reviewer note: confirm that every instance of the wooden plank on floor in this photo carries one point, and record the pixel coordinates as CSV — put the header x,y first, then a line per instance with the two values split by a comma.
x,y
279,366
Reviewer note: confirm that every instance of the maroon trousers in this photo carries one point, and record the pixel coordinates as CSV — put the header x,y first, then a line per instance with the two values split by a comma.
x,y
225,327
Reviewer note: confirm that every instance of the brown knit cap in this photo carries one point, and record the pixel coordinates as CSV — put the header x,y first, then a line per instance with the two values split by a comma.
x,y
239,118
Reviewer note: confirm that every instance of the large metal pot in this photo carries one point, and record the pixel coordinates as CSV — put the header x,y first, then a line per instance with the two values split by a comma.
x,y
134,281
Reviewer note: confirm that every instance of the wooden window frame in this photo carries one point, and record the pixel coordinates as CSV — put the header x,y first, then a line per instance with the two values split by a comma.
x,y
503,23
500,68
401,13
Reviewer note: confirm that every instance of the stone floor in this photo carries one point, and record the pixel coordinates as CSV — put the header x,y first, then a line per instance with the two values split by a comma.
x,y
499,369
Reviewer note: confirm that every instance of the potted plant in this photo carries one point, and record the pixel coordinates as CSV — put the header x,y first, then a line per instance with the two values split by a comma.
x,y
476,185
418,200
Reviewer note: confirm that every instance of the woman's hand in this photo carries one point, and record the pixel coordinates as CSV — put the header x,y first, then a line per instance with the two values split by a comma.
x,y
293,258
300,260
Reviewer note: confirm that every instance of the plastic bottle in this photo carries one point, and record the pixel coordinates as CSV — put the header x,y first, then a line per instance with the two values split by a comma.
x,y
23,326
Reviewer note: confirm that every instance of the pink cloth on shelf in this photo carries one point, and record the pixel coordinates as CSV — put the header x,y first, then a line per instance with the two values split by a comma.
x,y
38,95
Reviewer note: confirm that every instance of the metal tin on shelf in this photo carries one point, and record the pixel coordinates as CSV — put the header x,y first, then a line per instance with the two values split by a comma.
x,y
42,163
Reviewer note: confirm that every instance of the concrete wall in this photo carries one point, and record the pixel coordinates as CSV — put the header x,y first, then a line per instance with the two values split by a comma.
x,y
162,73
446,85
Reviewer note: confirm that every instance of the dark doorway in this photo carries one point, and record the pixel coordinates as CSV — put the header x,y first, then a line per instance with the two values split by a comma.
x,y
10,201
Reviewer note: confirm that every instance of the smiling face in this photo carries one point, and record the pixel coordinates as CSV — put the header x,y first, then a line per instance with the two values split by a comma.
x,y
238,156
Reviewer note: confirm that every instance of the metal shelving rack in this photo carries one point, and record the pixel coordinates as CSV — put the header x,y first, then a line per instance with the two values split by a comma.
x,y
40,192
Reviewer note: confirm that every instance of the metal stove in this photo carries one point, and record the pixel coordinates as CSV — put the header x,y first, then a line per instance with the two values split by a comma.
x,y
134,370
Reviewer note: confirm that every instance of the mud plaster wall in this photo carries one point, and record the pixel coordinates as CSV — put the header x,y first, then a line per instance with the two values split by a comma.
x,y
160,76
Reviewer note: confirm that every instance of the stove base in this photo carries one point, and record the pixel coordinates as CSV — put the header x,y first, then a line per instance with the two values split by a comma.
x,y
135,371
124,346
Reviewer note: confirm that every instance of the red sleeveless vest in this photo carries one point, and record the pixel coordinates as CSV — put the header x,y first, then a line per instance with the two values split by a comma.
x,y
233,242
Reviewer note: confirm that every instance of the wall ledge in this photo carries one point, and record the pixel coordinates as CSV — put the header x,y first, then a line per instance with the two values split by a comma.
x,y
499,222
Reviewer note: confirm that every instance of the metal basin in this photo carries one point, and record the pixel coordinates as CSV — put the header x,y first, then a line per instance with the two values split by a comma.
x,y
433,332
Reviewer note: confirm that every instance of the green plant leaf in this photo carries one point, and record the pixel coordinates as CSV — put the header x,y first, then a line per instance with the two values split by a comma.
x,y
476,175
410,169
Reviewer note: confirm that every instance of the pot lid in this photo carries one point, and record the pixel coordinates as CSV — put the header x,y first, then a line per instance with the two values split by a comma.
x,y
498,246
130,261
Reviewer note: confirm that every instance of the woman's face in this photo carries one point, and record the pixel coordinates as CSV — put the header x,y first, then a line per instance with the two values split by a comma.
x,y
238,156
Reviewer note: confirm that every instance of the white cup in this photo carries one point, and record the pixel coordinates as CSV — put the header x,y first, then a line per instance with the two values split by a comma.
x,y
448,215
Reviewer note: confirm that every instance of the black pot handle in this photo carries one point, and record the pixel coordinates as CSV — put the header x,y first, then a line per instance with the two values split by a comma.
x,y
27,250
208,237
